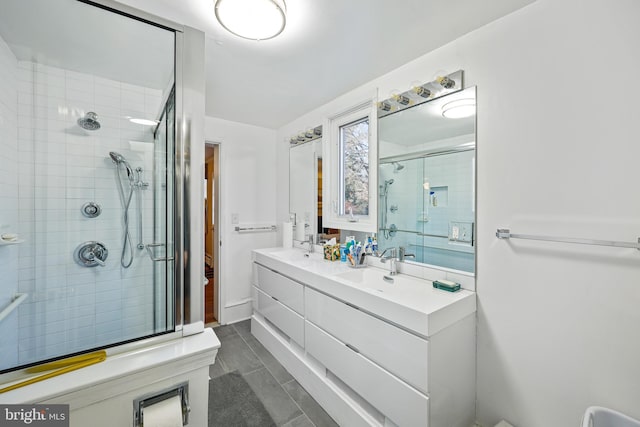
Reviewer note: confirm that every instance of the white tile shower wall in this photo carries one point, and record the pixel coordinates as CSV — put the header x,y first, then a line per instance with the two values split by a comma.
x,y
411,208
61,167
8,199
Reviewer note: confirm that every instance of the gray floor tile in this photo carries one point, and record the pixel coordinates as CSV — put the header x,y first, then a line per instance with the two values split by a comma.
x,y
236,355
233,403
218,368
243,328
311,408
280,406
225,331
270,362
301,421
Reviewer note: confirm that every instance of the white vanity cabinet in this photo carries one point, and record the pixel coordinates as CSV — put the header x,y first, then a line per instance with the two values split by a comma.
x,y
280,300
351,349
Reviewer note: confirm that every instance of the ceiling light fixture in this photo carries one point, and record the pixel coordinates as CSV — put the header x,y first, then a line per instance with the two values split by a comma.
x,y
252,19
459,108
145,122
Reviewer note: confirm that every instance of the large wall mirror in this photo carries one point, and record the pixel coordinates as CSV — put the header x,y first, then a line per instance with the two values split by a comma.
x,y
305,188
427,184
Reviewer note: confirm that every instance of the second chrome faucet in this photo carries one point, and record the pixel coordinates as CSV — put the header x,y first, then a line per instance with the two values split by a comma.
x,y
394,255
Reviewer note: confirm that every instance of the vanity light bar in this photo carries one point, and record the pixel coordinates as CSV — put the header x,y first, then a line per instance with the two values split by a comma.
x,y
306,136
441,86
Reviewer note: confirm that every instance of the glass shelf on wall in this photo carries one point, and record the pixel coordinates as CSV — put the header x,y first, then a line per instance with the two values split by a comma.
x,y
8,243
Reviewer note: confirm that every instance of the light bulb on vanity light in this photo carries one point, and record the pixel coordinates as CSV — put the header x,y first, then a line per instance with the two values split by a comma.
x,y
421,91
401,99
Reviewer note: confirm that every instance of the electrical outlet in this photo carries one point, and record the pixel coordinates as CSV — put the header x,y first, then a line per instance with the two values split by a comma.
x,y
235,218
461,232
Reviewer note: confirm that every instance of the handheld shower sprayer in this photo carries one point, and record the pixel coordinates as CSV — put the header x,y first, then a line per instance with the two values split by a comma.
x,y
119,159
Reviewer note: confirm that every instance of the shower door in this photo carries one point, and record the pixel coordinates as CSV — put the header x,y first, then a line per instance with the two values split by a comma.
x,y
87,180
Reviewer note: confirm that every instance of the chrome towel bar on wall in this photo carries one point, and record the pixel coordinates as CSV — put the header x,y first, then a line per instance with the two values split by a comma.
x,y
251,228
505,233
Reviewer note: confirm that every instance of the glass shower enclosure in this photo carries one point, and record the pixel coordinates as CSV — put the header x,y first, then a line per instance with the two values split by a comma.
x,y
87,180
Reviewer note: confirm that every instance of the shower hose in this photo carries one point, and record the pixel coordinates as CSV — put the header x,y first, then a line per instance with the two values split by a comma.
x,y
126,202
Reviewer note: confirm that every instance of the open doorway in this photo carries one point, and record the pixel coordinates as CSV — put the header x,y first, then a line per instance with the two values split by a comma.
x,y
211,232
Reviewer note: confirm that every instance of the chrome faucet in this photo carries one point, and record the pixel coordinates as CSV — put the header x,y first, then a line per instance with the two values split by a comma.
x,y
392,258
311,243
402,254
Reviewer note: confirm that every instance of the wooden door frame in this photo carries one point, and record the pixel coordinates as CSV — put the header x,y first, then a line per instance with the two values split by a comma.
x,y
216,230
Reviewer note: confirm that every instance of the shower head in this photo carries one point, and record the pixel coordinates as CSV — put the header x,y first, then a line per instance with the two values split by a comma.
x,y
397,166
385,188
89,121
119,159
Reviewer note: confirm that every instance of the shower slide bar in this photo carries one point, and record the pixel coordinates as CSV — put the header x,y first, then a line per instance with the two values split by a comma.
x,y
17,300
505,233
245,229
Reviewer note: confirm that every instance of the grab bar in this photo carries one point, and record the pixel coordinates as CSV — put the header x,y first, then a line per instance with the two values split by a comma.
x,y
17,300
152,255
505,233
442,236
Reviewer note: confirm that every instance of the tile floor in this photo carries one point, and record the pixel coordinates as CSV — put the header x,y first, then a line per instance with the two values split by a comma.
x,y
286,401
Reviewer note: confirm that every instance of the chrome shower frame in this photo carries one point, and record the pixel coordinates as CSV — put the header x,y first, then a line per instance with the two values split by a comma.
x,y
189,151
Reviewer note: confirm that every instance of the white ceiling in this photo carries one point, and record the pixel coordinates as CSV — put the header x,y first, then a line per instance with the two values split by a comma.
x,y
328,47
78,37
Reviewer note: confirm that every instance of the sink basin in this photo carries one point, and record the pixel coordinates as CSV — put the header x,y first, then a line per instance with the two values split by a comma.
x,y
367,275
408,291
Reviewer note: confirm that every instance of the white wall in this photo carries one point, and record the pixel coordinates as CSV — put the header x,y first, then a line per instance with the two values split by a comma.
x,y
557,155
8,198
248,188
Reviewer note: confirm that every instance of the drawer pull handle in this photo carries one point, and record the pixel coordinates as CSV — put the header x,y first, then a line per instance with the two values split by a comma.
x,y
352,306
276,299
352,348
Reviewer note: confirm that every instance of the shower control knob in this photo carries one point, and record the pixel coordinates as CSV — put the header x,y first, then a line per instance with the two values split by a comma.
x,y
91,254
91,210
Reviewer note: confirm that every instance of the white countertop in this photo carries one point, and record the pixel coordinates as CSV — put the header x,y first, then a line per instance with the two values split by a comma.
x,y
409,302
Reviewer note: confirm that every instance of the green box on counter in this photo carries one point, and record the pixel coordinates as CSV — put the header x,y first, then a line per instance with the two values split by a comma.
x,y
446,285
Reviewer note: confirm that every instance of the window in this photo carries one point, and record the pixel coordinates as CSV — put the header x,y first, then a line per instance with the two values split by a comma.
x,y
350,169
354,168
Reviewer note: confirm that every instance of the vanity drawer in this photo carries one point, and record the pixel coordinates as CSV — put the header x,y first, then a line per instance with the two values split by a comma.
x,y
287,291
398,351
400,402
288,321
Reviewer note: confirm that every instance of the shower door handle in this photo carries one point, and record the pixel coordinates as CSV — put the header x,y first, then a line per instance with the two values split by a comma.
x,y
152,255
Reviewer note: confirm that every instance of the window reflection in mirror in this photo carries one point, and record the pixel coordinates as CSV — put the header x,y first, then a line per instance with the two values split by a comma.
x,y
427,181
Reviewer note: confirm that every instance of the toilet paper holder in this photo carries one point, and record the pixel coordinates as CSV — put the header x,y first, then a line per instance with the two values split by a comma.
x,y
140,403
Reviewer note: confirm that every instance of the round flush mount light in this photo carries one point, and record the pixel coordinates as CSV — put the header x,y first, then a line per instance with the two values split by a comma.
x,y
252,19
459,108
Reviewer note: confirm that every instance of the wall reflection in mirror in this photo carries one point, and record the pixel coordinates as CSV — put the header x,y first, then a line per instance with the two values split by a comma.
x,y
427,181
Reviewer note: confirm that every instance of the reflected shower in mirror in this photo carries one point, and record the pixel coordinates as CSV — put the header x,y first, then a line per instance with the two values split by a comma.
x,y
427,181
